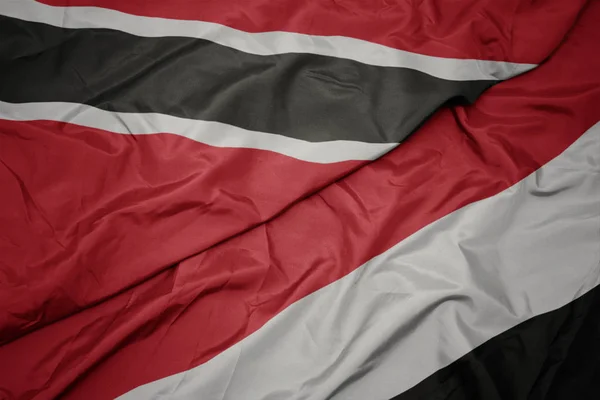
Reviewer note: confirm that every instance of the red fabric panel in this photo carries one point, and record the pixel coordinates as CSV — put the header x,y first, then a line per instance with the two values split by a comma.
x,y
189,313
87,213
503,30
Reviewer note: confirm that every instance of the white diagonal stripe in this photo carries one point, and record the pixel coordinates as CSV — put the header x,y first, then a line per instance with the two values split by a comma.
x,y
212,133
264,43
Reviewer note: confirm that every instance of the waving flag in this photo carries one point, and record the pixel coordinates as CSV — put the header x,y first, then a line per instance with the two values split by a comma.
x,y
299,200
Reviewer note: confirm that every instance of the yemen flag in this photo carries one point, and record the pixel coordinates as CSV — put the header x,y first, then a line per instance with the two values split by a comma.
x,y
325,199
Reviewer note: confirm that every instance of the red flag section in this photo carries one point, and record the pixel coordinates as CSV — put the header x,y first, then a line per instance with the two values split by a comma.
x,y
501,30
132,206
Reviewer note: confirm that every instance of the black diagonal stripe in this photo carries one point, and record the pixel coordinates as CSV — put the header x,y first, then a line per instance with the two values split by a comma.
x,y
310,97
553,356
